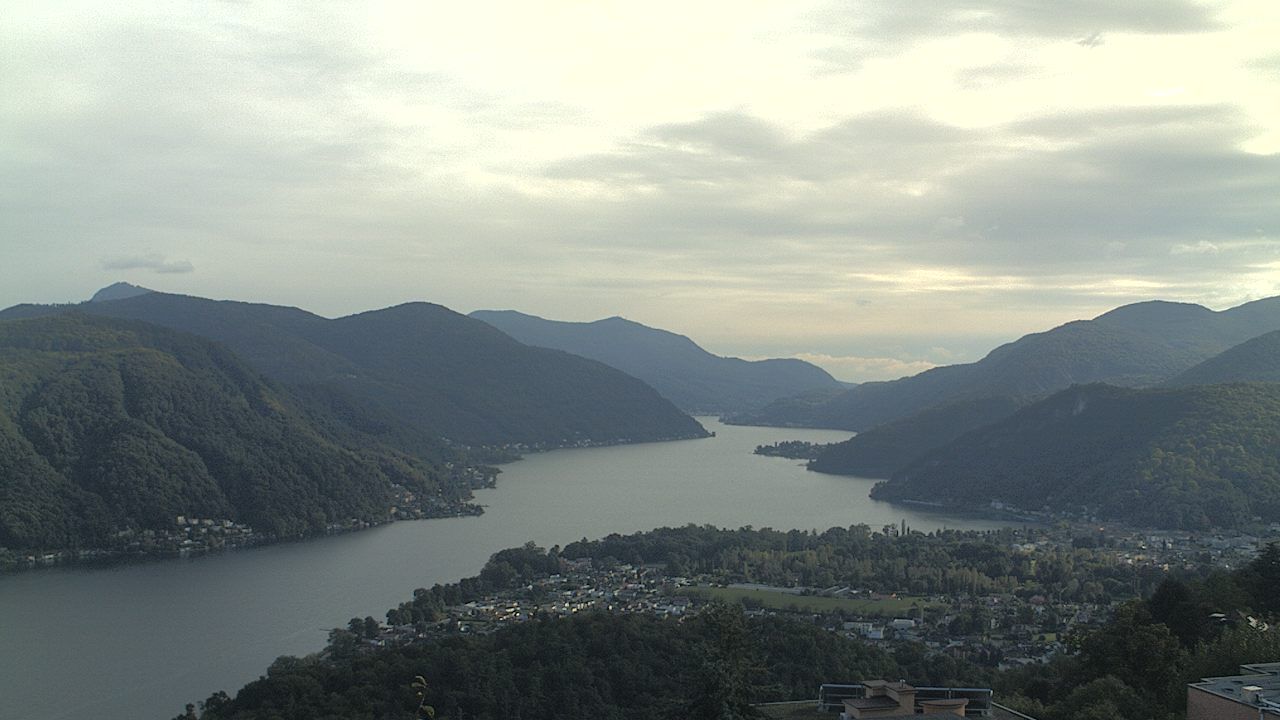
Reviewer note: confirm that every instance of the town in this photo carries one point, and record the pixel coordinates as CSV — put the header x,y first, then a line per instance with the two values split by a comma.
x,y
998,630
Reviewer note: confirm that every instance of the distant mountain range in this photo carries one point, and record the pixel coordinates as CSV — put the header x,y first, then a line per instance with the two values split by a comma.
x,y
684,373
1189,457
415,371
111,426
1135,345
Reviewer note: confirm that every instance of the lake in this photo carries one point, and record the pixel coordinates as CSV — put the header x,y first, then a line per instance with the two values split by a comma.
x,y
139,640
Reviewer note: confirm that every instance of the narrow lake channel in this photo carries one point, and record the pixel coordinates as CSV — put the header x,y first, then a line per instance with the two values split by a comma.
x,y
139,640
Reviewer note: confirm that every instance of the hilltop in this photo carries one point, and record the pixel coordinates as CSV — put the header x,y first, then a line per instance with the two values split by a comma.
x,y
684,373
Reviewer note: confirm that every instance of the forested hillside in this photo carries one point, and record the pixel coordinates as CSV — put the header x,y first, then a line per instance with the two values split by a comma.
x,y
1256,360
421,370
685,374
111,427
885,449
1196,457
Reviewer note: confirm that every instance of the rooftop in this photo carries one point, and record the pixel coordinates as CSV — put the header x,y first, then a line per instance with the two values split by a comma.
x,y
1259,687
808,710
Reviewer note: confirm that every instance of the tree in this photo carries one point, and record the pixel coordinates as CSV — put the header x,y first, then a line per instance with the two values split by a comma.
x,y
722,685
1262,579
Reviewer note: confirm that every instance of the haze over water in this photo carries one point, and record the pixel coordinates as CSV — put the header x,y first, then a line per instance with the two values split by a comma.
x,y
140,640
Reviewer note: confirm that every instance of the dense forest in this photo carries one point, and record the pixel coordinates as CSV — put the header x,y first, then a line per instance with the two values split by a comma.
x,y
595,665
112,428
883,450
1196,457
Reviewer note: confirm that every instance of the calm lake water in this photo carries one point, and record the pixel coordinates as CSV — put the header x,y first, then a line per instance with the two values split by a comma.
x,y
141,640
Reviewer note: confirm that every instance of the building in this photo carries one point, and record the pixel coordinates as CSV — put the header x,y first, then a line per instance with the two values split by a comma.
x,y
1252,695
881,700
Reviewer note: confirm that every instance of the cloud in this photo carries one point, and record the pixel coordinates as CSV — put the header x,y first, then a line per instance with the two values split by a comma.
x,y
1092,40
1204,247
154,262
1088,192
851,368
1067,19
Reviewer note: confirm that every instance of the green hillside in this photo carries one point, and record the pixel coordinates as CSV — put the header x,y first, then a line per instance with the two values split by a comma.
x,y
683,372
883,450
421,370
110,426
1196,457
1256,360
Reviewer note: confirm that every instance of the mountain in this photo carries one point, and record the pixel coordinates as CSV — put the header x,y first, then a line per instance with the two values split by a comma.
x,y
684,373
118,291
1194,457
885,449
111,427
1135,345
420,370
1256,360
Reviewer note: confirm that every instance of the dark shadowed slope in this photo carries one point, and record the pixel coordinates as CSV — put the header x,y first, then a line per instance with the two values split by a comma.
x,y
424,367
1135,345
1256,360
883,450
684,373
1188,457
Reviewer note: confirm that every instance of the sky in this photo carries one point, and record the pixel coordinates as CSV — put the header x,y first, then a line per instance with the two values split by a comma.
x,y
876,187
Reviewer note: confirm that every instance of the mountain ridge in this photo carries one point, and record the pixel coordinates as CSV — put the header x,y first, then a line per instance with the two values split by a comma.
x,y
1137,345
681,370
439,373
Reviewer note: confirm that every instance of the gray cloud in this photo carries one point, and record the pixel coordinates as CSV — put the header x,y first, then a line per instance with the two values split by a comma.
x,y
1094,193
1067,19
1092,40
154,262
872,29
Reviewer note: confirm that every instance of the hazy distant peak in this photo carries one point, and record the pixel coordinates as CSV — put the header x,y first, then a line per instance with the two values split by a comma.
x,y
119,291
1158,310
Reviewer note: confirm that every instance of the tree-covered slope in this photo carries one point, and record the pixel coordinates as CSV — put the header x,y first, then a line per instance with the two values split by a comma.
x,y
422,369
451,375
683,372
109,426
883,450
1256,360
1191,457
1135,345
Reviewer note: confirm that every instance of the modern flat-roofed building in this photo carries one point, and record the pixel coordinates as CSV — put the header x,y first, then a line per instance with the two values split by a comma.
x,y
1254,694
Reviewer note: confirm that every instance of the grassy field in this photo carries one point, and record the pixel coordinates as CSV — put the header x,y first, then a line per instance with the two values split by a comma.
x,y
889,607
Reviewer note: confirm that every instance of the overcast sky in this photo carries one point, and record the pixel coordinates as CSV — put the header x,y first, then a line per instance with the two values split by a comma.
x,y
876,186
